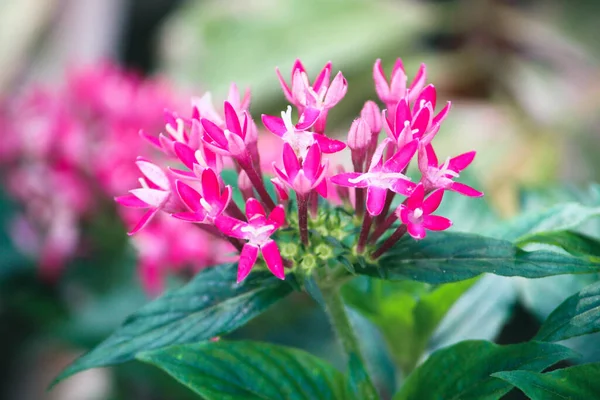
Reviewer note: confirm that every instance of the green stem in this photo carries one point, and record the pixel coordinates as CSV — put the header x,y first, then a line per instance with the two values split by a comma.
x,y
338,317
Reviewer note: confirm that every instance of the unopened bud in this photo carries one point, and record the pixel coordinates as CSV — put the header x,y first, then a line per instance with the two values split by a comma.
x,y
372,115
245,185
359,135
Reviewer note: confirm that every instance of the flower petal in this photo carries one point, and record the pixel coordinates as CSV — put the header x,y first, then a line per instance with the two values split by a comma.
x,y
416,198
416,230
403,187
375,199
247,260
154,173
286,90
131,201
336,91
312,162
232,122
185,154
188,196
211,189
436,222
290,161
432,202
231,226
328,145
421,121
146,218
381,85
418,83
465,190
307,119
254,209
152,197
272,257
274,124
461,162
401,159
345,179
214,132
323,78
191,216
427,95
277,216
442,114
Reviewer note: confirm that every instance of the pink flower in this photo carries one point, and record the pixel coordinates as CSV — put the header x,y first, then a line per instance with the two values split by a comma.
x,y
257,231
372,114
420,123
196,161
416,212
393,91
206,207
229,141
381,176
155,194
305,177
436,176
297,136
321,95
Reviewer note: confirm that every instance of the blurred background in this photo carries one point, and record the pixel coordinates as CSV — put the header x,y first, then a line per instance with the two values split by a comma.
x,y
79,78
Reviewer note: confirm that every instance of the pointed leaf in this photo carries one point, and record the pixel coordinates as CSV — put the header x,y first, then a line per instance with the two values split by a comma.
x,y
249,370
462,371
210,305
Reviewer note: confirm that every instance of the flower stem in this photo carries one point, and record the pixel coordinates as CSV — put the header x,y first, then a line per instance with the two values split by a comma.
x,y
303,217
234,211
382,227
364,233
338,317
259,185
389,242
389,197
359,200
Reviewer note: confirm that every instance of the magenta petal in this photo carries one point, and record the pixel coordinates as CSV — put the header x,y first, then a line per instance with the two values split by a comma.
x,y
231,226
147,217
225,199
188,196
418,82
185,154
130,200
337,90
247,260
184,174
328,145
345,178
254,209
321,188
432,159
432,202
274,124
402,158
282,176
461,162
152,139
422,121
436,223
402,115
442,114
375,200
290,161
286,90
297,67
323,78
312,162
403,187
277,216
465,190
308,119
214,132
381,85
403,214
232,122
427,95
416,198
416,230
190,216
210,187
272,257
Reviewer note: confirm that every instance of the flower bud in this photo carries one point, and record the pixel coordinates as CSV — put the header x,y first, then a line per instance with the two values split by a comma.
x,y
372,115
359,135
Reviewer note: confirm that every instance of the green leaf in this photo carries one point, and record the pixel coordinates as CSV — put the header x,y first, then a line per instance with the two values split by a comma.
x,y
579,382
249,370
557,218
463,371
212,304
578,315
448,257
574,243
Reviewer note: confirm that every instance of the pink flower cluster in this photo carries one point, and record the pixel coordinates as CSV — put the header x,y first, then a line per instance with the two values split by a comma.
x,y
68,151
206,139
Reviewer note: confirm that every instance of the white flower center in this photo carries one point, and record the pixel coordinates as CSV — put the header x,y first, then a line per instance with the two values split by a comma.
x,y
258,235
379,179
178,133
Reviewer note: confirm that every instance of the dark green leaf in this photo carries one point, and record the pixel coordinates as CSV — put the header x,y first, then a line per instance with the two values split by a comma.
x,y
210,305
448,257
249,370
359,383
462,371
572,242
579,382
557,218
578,315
